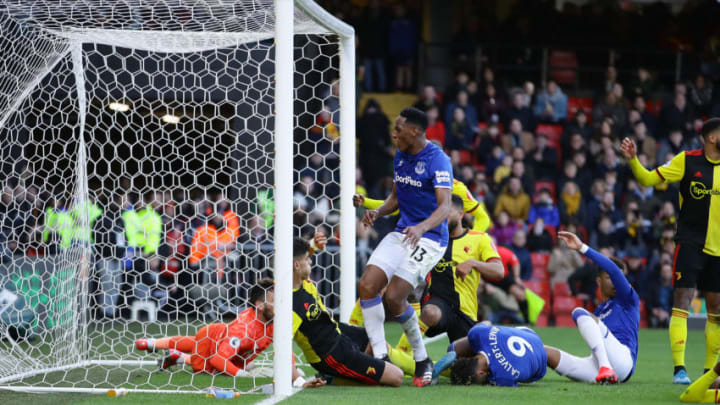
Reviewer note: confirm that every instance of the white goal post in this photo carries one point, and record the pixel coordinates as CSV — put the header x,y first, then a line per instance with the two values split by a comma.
x,y
180,112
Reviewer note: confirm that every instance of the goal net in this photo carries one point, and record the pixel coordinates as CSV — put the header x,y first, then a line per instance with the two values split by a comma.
x,y
138,172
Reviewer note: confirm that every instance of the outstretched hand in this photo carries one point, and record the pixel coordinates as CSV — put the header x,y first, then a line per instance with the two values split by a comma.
x,y
570,239
315,383
628,148
369,217
358,200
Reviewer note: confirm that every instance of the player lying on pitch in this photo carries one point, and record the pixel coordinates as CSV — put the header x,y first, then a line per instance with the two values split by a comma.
x,y
705,390
333,348
611,332
229,348
496,355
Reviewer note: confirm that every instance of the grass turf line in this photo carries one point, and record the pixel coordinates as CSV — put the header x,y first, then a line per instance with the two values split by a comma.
x,y
650,384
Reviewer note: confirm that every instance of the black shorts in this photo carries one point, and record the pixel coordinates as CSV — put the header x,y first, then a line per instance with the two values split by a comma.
x,y
349,360
453,321
504,283
693,268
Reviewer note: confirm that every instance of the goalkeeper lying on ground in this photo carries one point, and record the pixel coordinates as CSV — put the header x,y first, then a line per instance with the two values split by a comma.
x,y
229,348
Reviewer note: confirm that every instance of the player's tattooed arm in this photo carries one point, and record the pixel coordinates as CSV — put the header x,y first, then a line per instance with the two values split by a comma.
x,y
492,269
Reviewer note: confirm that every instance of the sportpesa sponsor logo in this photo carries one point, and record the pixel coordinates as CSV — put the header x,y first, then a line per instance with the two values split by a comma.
x,y
407,180
698,190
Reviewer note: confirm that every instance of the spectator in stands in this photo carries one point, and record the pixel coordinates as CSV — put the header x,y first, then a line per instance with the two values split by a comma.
x,y
649,205
451,92
609,84
604,206
648,118
459,132
576,143
610,163
613,184
612,108
583,282
519,111
564,261
673,145
519,247
461,102
634,234
402,44
373,36
373,134
665,218
492,107
674,116
504,228
571,204
489,139
545,208
646,144
436,129
569,174
526,178
642,85
514,200
544,159
502,172
529,94
428,98
604,233
578,125
494,160
660,297
701,95
474,97
551,105
584,172
539,239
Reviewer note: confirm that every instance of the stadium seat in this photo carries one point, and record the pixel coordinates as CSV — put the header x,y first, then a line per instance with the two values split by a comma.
x,y
553,233
541,288
543,319
563,66
561,289
562,310
539,260
552,131
540,274
465,157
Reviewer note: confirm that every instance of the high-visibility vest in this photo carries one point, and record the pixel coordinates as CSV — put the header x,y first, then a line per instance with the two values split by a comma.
x,y
83,233
61,223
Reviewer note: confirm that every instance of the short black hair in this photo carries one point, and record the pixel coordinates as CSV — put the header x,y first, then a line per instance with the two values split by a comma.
x,y
415,116
457,201
258,291
463,371
618,262
300,247
710,126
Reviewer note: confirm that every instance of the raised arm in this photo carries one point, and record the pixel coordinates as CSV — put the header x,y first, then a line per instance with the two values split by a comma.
x,y
671,172
369,203
622,286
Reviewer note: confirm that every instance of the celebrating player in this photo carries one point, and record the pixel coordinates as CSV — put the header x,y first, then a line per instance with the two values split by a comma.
x,y
332,348
421,190
697,253
497,355
611,333
470,205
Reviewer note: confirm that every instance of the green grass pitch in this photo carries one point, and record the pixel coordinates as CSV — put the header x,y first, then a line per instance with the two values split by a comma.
x,y
650,384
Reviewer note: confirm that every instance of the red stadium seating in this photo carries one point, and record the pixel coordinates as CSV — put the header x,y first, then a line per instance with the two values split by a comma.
x,y
465,157
576,104
550,185
541,288
552,131
540,260
563,66
562,310
561,289
553,233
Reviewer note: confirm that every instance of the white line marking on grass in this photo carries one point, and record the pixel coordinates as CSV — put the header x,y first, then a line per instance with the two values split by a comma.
x,y
274,399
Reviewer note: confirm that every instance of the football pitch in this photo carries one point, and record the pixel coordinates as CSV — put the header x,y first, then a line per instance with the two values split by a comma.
x,y
650,383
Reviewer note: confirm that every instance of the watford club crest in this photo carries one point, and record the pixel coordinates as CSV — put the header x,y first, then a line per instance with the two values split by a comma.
x,y
370,371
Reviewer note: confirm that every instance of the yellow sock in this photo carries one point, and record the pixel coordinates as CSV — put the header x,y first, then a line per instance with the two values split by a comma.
x,y
356,317
712,339
678,336
404,344
403,360
700,392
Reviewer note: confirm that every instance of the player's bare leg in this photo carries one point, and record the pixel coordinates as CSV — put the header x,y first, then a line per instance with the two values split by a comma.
x,y
392,376
370,286
396,299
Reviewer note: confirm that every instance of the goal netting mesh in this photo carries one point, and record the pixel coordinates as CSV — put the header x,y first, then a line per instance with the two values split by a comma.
x,y
136,165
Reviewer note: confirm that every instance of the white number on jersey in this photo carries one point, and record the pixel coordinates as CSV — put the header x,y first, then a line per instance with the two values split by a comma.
x,y
517,346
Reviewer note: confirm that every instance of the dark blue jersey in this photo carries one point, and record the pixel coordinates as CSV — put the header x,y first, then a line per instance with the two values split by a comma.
x,y
416,178
621,314
515,355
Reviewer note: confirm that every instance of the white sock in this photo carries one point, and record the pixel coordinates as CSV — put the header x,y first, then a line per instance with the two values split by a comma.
x,y
412,330
593,336
374,318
